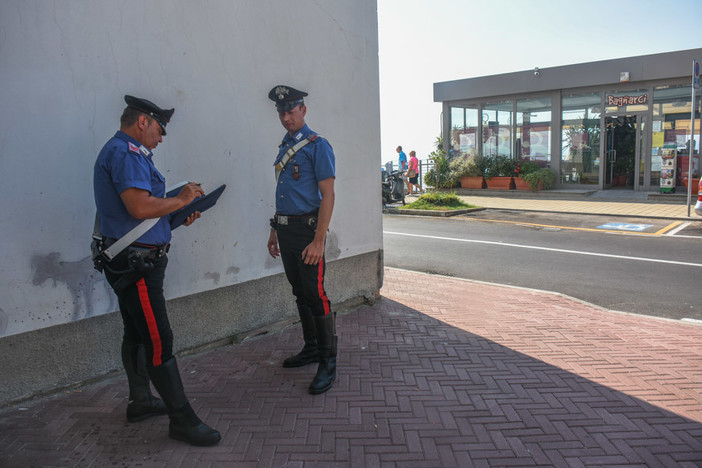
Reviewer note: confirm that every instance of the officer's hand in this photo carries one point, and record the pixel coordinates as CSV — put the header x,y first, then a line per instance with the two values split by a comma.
x,y
191,219
313,253
273,248
190,192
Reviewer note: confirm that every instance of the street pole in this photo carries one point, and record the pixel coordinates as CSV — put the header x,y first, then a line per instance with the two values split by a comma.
x,y
695,85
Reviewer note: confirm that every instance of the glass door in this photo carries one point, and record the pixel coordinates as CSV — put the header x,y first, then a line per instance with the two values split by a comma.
x,y
624,166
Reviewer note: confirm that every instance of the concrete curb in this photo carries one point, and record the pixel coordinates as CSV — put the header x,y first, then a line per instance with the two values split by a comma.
x,y
435,213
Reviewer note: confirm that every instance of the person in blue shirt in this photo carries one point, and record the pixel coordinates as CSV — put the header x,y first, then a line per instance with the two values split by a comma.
x,y
128,189
402,160
304,201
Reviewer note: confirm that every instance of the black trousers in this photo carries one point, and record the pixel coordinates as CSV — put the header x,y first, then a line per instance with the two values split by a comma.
x,y
307,281
143,309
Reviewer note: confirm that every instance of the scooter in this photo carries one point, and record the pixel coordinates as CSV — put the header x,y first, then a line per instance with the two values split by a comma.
x,y
393,187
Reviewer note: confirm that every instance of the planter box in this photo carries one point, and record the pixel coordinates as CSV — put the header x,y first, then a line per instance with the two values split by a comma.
x,y
521,184
619,181
500,183
473,182
695,185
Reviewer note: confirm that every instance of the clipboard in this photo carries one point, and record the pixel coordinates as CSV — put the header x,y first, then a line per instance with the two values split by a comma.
x,y
200,204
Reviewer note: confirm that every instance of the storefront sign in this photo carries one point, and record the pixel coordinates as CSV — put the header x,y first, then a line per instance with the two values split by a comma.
x,y
626,100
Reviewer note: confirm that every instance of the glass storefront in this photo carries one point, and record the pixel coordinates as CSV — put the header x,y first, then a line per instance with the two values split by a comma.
x,y
670,133
497,129
534,130
580,139
528,129
464,131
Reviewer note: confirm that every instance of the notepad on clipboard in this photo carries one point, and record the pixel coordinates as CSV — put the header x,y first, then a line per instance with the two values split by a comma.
x,y
200,204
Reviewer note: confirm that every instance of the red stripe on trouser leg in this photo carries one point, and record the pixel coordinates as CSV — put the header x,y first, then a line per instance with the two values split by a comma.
x,y
320,287
150,321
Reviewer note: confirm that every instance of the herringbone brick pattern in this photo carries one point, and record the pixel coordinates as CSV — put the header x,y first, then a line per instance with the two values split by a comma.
x,y
440,372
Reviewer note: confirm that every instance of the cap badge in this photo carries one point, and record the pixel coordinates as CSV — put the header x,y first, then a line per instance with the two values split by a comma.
x,y
281,92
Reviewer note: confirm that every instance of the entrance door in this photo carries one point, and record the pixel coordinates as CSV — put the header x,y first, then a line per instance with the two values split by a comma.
x,y
623,151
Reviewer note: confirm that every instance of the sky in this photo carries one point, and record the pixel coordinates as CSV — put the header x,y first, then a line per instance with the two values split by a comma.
x,y
426,42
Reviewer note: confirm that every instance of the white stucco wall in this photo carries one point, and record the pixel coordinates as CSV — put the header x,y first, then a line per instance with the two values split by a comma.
x,y
64,69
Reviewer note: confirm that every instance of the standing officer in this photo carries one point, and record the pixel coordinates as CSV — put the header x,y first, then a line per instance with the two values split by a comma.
x,y
304,201
128,188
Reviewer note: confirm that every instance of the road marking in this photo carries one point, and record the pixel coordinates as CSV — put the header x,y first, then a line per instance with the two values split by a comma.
x,y
533,247
674,228
625,227
520,223
606,231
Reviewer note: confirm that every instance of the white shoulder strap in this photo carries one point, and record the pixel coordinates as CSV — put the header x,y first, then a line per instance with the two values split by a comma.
x,y
126,240
291,152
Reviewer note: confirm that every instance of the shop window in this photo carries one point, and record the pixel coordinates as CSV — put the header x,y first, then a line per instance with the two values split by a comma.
x,y
580,139
671,132
464,131
533,130
497,129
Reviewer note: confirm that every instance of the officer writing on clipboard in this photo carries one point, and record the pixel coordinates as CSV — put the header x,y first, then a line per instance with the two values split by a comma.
x,y
128,189
304,200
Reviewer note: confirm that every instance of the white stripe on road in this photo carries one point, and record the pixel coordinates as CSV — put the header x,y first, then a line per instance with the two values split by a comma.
x,y
677,229
533,247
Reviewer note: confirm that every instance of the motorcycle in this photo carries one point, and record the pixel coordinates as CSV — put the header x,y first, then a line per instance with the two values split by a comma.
x,y
393,187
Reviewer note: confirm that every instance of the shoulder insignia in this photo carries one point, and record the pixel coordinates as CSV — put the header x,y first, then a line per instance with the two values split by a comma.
x,y
133,148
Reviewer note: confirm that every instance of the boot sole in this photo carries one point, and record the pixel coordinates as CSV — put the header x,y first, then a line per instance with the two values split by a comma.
x,y
289,365
142,417
197,443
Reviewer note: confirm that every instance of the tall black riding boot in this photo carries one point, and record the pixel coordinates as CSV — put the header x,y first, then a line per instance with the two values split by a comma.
x,y
142,404
185,425
326,372
310,352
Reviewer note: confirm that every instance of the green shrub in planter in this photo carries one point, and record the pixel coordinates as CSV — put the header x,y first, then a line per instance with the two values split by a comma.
x,y
545,175
500,166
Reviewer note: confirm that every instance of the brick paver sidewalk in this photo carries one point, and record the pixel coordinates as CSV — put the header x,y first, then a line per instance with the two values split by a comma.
x,y
440,372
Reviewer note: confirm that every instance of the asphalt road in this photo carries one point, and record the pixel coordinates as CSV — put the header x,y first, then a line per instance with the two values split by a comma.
x,y
655,270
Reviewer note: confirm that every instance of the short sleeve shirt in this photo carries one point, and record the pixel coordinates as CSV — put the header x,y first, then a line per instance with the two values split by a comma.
x,y
413,164
125,163
402,158
297,189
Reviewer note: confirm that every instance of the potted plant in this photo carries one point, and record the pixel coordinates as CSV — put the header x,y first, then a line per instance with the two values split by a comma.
x,y
440,175
471,171
623,166
543,178
500,170
524,168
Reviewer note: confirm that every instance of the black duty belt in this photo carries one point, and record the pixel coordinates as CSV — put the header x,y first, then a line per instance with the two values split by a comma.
x,y
309,219
149,250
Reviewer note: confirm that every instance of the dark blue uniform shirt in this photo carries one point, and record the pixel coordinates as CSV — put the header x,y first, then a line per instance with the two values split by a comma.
x,y
297,191
124,163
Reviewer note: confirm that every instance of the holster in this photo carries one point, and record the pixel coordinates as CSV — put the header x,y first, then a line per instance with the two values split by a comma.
x,y
138,259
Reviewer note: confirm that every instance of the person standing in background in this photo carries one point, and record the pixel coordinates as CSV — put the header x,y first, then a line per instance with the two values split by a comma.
x,y
402,160
413,173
